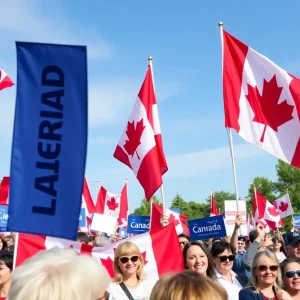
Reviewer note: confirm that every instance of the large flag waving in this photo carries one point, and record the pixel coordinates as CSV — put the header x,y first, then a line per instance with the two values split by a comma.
x,y
140,146
5,81
261,101
155,247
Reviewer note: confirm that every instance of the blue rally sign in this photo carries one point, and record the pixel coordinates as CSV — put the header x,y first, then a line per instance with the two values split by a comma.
x,y
3,217
205,228
138,224
82,218
49,140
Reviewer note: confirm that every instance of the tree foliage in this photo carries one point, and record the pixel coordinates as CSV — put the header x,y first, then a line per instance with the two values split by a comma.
x,y
145,207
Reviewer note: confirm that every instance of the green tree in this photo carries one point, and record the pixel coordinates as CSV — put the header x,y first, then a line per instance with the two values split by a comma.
x,y
145,207
220,197
192,210
178,202
265,186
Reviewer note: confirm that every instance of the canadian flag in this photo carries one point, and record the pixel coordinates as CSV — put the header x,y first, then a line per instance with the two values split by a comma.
x,y
115,205
177,219
5,81
284,206
88,205
261,100
140,146
4,190
265,212
213,206
155,247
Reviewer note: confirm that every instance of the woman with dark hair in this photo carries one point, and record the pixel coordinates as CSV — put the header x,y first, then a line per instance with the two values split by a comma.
x,y
197,258
6,267
278,248
290,271
223,257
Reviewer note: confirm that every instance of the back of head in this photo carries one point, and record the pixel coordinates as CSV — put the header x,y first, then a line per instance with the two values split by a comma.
x,y
59,274
253,235
188,285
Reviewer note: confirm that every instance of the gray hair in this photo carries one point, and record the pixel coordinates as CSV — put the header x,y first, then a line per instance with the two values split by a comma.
x,y
59,274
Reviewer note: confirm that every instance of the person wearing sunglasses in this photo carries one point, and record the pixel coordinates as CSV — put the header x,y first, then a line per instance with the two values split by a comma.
x,y
183,239
129,281
223,257
265,280
290,270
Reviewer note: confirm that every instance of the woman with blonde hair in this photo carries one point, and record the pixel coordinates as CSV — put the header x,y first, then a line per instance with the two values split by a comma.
x,y
129,281
188,285
265,280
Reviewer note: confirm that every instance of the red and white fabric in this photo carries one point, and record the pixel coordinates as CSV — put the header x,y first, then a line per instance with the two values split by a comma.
x,y
155,247
88,205
5,81
213,206
123,215
177,219
265,212
261,100
140,146
284,206
4,190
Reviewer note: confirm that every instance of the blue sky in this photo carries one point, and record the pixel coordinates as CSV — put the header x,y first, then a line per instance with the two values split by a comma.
x,y
184,40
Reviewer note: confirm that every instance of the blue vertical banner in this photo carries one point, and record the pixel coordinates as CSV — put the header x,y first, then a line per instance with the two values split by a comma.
x,y
49,140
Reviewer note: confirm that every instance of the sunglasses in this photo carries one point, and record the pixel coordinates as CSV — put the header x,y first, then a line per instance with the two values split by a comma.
x,y
292,274
125,260
263,268
223,258
276,241
183,243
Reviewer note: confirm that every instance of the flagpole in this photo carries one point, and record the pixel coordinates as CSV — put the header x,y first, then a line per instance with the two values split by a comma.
x,y
16,242
229,134
162,186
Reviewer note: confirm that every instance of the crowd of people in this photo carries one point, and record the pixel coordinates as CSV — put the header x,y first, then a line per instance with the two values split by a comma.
x,y
257,267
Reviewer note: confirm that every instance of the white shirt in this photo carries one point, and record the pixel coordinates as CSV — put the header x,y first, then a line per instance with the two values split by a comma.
x,y
232,288
280,256
141,292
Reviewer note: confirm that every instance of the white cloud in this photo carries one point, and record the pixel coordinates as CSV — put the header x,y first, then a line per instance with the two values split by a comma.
x,y
26,20
202,162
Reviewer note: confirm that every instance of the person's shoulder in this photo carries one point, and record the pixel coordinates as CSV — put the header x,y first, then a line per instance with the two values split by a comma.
x,y
246,291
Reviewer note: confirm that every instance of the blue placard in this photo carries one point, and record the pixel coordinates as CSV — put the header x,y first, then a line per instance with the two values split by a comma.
x,y
49,140
176,210
3,218
82,218
138,224
297,221
205,228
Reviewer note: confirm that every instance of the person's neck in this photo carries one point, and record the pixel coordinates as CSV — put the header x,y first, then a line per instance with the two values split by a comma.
x,y
277,251
131,281
227,275
4,289
268,291
293,293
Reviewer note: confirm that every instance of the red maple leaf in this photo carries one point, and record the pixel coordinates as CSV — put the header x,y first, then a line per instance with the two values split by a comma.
x,y
266,108
134,135
173,220
283,206
112,204
273,211
109,265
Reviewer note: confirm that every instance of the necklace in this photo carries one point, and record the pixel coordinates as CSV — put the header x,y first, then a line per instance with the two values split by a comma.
x,y
132,286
